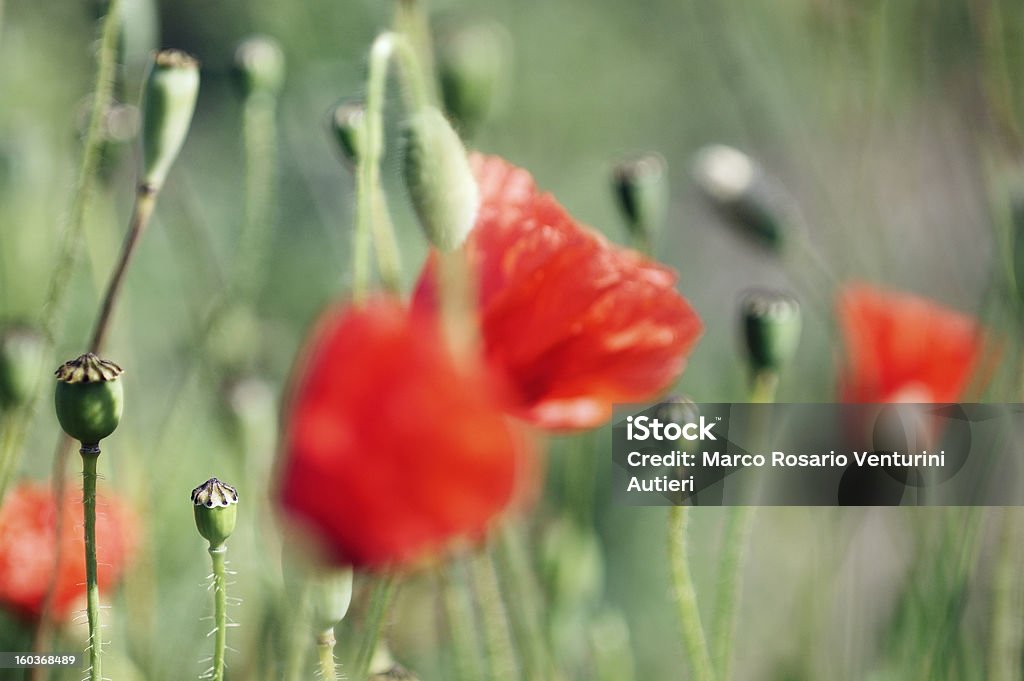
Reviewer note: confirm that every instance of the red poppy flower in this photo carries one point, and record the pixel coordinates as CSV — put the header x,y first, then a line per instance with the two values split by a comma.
x,y
28,545
572,322
904,348
392,449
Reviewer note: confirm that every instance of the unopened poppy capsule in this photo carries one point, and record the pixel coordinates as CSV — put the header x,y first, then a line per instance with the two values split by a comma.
x,y
439,179
771,329
331,591
258,66
346,128
169,100
89,398
641,188
473,64
216,509
737,186
21,361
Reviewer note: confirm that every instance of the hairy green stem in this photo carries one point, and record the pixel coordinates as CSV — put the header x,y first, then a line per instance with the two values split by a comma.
x,y
1006,638
370,218
524,608
383,591
220,610
694,642
459,617
325,651
89,457
498,647
259,132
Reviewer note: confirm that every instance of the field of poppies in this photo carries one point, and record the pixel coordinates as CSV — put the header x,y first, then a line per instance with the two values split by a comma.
x,y
313,316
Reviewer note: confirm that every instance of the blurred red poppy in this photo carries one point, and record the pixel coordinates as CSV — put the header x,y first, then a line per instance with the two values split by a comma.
x,y
393,449
28,546
904,348
572,322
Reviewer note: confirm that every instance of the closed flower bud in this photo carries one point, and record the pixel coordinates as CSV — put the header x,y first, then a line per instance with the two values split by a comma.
x,y
89,398
258,67
216,509
331,595
440,182
771,329
21,359
737,187
641,188
169,100
346,128
473,64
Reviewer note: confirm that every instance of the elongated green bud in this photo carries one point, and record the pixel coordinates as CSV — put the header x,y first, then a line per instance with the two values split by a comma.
x,y
439,179
216,509
331,596
258,67
473,65
21,360
771,329
168,102
641,187
737,186
89,398
346,128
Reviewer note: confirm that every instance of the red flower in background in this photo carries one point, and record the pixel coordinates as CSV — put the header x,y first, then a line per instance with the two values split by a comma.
x,y
572,322
904,348
28,545
392,449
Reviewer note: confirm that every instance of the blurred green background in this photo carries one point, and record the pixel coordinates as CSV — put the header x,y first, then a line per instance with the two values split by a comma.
x,y
895,125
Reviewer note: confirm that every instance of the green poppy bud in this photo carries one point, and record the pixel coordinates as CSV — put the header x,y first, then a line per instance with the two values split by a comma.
x,y
737,187
258,67
89,398
473,64
216,509
771,329
440,182
641,187
346,128
169,100
331,595
22,352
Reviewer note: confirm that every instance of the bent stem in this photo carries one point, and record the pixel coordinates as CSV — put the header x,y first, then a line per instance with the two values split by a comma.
x,y
89,457
498,647
220,613
372,220
686,597
325,649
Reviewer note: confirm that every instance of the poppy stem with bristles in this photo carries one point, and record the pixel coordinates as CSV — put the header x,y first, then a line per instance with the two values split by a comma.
x,y
89,458
694,641
220,614
325,650
372,220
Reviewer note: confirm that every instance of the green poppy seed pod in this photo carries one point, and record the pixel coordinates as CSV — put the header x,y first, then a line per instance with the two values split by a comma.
x,y
346,128
394,673
331,595
473,65
737,186
216,509
168,102
89,398
439,179
258,66
22,352
641,188
677,409
771,329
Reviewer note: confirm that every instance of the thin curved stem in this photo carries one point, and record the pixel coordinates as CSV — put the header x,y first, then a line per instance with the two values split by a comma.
x,y
498,646
259,133
694,642
220,613
370,216
89,458
383,591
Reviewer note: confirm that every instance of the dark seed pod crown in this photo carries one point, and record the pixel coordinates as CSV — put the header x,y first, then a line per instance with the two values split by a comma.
x,y
213,494
87,369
